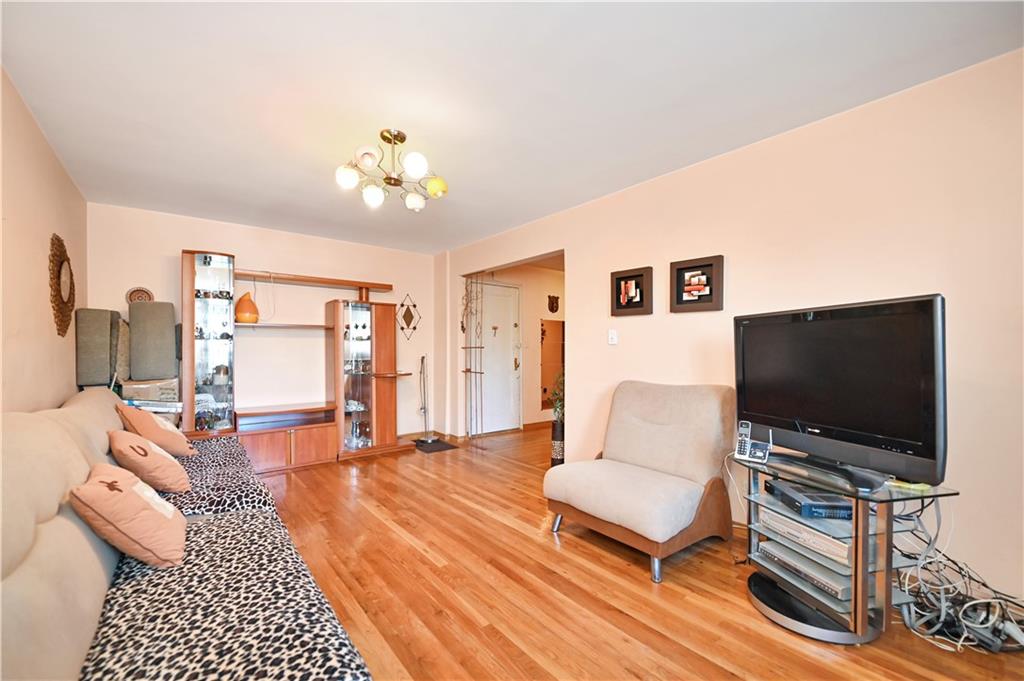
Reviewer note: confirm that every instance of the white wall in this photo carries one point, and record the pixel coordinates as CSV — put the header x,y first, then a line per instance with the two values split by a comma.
x,y
131,247
535,285
919,192
39,199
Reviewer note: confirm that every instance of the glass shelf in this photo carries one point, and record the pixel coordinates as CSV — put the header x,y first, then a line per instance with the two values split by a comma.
x,y
897,597
358,362
837,529
898,560
887,494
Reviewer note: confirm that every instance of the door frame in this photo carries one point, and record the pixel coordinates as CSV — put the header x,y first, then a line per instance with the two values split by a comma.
x,y
518,347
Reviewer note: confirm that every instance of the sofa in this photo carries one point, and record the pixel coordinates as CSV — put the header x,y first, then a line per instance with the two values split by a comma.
x,y
242,605
657,485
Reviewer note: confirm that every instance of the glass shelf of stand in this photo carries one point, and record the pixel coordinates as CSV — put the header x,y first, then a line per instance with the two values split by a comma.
x,y
886,494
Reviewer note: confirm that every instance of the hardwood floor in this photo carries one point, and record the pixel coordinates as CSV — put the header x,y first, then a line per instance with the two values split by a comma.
x,y
442,566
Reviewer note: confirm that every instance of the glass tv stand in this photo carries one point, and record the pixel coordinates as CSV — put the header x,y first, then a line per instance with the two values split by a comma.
x,y
828,579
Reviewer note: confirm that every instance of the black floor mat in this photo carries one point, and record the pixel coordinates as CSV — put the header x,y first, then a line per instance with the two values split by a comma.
x,y
435,446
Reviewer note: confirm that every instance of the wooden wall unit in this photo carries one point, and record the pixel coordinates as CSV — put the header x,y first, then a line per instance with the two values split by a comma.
x,y
279,437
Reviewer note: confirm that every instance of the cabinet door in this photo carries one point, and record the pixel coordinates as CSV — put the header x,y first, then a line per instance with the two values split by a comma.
x,y
267,451
314,445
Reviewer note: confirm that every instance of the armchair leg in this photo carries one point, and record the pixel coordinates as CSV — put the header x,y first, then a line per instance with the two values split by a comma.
x,y
557,523
656,570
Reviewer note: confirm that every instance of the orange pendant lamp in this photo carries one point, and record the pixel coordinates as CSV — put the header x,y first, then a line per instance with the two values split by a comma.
x,y
246,311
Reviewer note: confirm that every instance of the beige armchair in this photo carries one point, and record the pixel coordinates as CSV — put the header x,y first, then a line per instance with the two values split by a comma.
x,y
657,485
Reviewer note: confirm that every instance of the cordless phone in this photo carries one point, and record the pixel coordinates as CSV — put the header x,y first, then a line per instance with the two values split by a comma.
x,y
747,449
743,440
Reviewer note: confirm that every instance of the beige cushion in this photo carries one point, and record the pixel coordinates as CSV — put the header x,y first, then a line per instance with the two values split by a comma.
x,y
55,570
145,424
683,430
130,515
87,416
149,462
650,503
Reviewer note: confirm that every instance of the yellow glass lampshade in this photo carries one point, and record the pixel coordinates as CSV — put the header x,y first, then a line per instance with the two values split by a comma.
x,y
437,187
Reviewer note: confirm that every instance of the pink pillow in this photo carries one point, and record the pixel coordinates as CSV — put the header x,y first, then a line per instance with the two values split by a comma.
x,y
131,516
151,463
143,423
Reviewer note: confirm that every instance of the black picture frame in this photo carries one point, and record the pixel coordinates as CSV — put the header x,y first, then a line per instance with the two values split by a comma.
x,y
643,282
712,268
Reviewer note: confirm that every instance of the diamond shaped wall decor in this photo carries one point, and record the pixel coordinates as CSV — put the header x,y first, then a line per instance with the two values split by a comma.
x,y
408,317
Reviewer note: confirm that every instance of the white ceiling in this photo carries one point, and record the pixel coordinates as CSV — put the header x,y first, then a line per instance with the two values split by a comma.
x,y
241,112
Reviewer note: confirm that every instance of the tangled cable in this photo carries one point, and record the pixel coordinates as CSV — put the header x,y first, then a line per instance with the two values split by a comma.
x,y
954,608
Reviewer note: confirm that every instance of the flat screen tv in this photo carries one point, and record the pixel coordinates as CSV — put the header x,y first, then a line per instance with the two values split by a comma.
x,y
862,384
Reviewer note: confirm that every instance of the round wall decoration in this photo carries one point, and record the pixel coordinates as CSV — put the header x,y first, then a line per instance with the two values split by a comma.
x,y
138,294
62,285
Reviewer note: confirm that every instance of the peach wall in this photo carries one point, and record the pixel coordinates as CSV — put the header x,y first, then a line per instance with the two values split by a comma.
x,y
535,285
916,193
39,199
131,247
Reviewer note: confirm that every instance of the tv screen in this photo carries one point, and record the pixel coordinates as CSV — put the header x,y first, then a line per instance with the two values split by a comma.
x,y
859,384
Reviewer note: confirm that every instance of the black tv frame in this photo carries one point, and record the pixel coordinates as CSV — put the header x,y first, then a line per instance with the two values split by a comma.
x,y
829,446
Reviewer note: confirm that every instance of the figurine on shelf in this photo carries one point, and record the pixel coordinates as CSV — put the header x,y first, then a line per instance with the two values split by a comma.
x,y
220,374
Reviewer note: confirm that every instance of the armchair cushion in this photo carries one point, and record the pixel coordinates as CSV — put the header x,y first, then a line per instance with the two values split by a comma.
x,y
682,430
648,502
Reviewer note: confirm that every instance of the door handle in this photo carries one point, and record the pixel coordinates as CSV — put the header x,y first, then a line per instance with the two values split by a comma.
x,y
515,364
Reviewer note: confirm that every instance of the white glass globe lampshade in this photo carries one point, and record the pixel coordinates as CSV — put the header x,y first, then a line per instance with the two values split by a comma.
x,y
367,157
415,201
347,177
373,195
415,165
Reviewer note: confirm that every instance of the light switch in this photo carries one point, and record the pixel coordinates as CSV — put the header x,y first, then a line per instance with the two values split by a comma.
x,y
613,337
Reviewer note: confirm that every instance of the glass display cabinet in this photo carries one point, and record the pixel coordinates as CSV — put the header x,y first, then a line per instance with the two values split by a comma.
x,y
358,371
208,342
362,357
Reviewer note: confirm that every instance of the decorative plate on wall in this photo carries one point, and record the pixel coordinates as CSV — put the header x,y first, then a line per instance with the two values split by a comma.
x,y
138,295
62,285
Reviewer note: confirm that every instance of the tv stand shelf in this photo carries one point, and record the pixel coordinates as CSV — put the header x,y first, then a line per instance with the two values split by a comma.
x,y
803,581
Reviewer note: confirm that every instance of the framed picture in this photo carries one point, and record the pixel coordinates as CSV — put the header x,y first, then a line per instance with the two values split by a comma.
x,y
632,292
697,285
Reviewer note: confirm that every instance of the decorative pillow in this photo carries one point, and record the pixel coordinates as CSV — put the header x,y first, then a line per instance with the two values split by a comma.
x,y
131,516
165,424
143,423
151,463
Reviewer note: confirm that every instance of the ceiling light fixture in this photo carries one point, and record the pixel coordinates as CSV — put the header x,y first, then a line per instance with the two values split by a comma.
x,y
408,172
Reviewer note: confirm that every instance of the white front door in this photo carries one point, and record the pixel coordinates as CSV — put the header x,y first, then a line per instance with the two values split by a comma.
x,y
501,358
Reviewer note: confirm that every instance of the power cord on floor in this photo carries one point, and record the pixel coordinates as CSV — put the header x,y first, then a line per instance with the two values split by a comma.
x,y
954,608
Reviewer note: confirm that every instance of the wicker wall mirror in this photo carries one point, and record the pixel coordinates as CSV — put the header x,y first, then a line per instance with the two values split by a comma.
x,y
62,285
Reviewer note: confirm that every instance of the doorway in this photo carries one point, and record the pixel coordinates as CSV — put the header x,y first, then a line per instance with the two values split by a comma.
x,y
552,358
514,344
